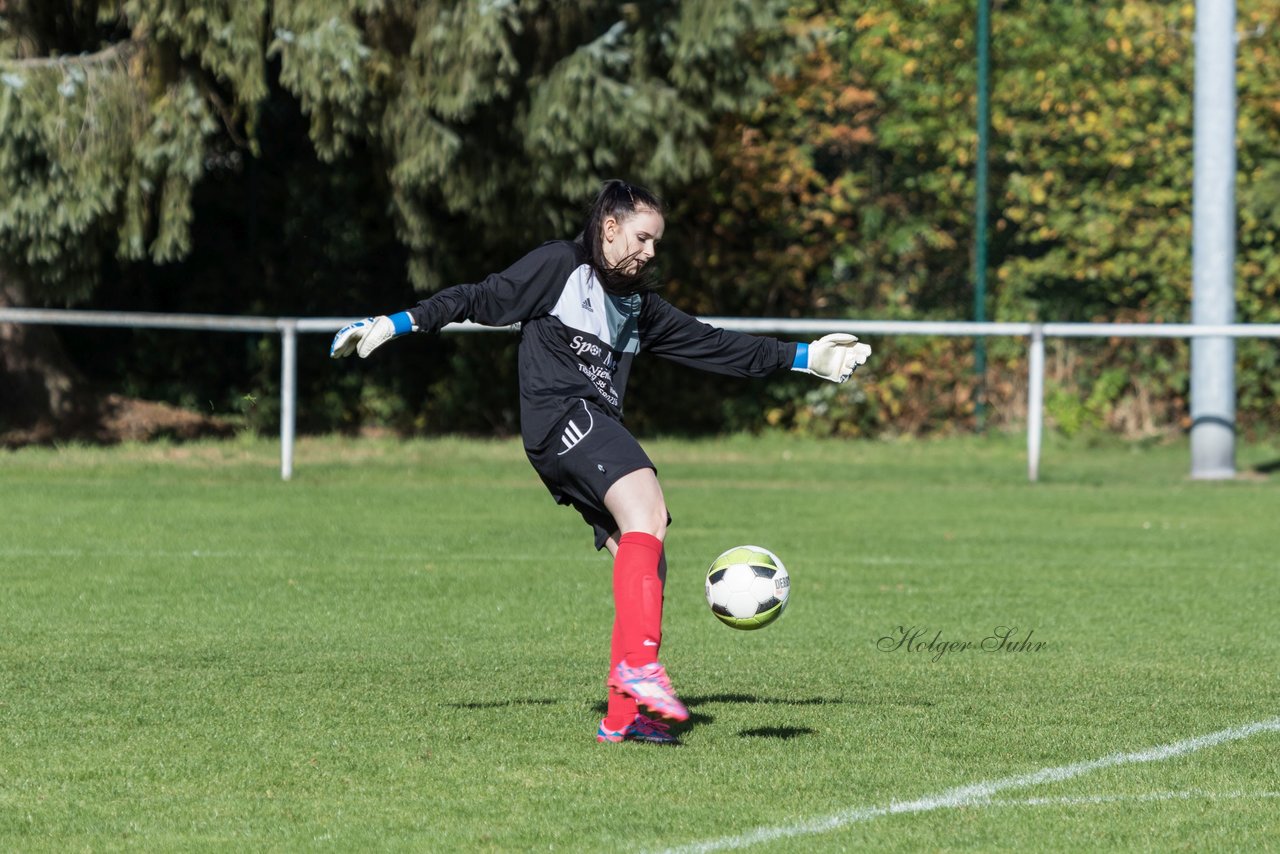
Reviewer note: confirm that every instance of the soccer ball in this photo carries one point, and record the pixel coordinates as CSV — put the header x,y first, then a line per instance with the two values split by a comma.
x,y
747,587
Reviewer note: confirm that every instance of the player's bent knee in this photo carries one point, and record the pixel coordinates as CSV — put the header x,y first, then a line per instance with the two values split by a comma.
x,y
655,526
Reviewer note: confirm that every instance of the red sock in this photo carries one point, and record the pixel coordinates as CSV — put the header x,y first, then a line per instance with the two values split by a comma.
x,y
637,605
637,596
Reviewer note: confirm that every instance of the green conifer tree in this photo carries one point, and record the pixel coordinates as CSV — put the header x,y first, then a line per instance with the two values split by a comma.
x,y
494,118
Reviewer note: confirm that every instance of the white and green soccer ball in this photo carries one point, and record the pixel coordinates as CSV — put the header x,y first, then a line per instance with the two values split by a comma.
x,y
747,587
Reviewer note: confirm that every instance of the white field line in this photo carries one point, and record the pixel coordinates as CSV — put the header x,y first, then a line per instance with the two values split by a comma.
x,y
977,794
1141,798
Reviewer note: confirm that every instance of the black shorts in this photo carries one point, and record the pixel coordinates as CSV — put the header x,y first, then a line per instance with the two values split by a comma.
x,y
587,453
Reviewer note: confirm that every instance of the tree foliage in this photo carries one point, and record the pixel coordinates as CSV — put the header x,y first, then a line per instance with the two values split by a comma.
x,y
330,156
466,129
475,111
857,197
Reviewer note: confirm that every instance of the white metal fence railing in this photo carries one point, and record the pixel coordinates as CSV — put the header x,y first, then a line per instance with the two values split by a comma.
x,y
289,328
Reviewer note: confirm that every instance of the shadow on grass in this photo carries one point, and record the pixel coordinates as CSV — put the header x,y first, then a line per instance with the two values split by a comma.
x,y
503,704
779,732
1267,467
755,699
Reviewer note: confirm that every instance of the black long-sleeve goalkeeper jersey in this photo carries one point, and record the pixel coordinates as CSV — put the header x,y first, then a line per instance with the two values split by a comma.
x,y
578,341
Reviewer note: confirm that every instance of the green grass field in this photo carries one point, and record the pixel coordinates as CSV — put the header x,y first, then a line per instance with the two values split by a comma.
x,y
404,649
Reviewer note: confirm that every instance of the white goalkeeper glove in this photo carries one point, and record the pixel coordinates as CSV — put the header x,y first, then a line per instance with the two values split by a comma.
x,y
833,357
365,336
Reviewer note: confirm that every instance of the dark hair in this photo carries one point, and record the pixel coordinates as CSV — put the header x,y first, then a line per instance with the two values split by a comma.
x,y
620,200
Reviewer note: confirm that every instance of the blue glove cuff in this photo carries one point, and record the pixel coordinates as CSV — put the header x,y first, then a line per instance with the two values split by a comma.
x,y
402,322
801,361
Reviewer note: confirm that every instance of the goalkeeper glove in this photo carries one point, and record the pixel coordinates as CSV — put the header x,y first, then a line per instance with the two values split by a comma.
x,y
365,336
833,357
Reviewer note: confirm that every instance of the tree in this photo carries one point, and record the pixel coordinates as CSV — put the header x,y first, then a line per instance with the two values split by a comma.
x,y
864,198
467,115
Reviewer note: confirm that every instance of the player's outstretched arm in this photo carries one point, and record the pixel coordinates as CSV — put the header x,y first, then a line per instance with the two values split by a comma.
x,y
365,336
833,357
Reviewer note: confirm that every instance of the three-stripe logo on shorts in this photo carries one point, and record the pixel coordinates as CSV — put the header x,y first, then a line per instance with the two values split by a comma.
x,y
573,434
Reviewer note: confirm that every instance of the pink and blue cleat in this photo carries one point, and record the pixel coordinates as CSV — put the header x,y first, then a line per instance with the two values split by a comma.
x,y
643,729
649,686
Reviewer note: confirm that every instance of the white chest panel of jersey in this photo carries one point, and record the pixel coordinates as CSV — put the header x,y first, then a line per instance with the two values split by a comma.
x,y
585,307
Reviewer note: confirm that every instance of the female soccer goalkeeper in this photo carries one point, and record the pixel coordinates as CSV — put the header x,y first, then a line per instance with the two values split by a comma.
x,y
586,308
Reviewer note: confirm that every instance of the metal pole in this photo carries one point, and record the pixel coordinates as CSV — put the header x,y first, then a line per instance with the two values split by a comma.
x,y
1035,402
288,393
1213,385
980,213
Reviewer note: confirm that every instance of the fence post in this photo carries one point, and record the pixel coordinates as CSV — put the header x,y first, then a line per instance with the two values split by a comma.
x,y
1035,401
1213,241
288,392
